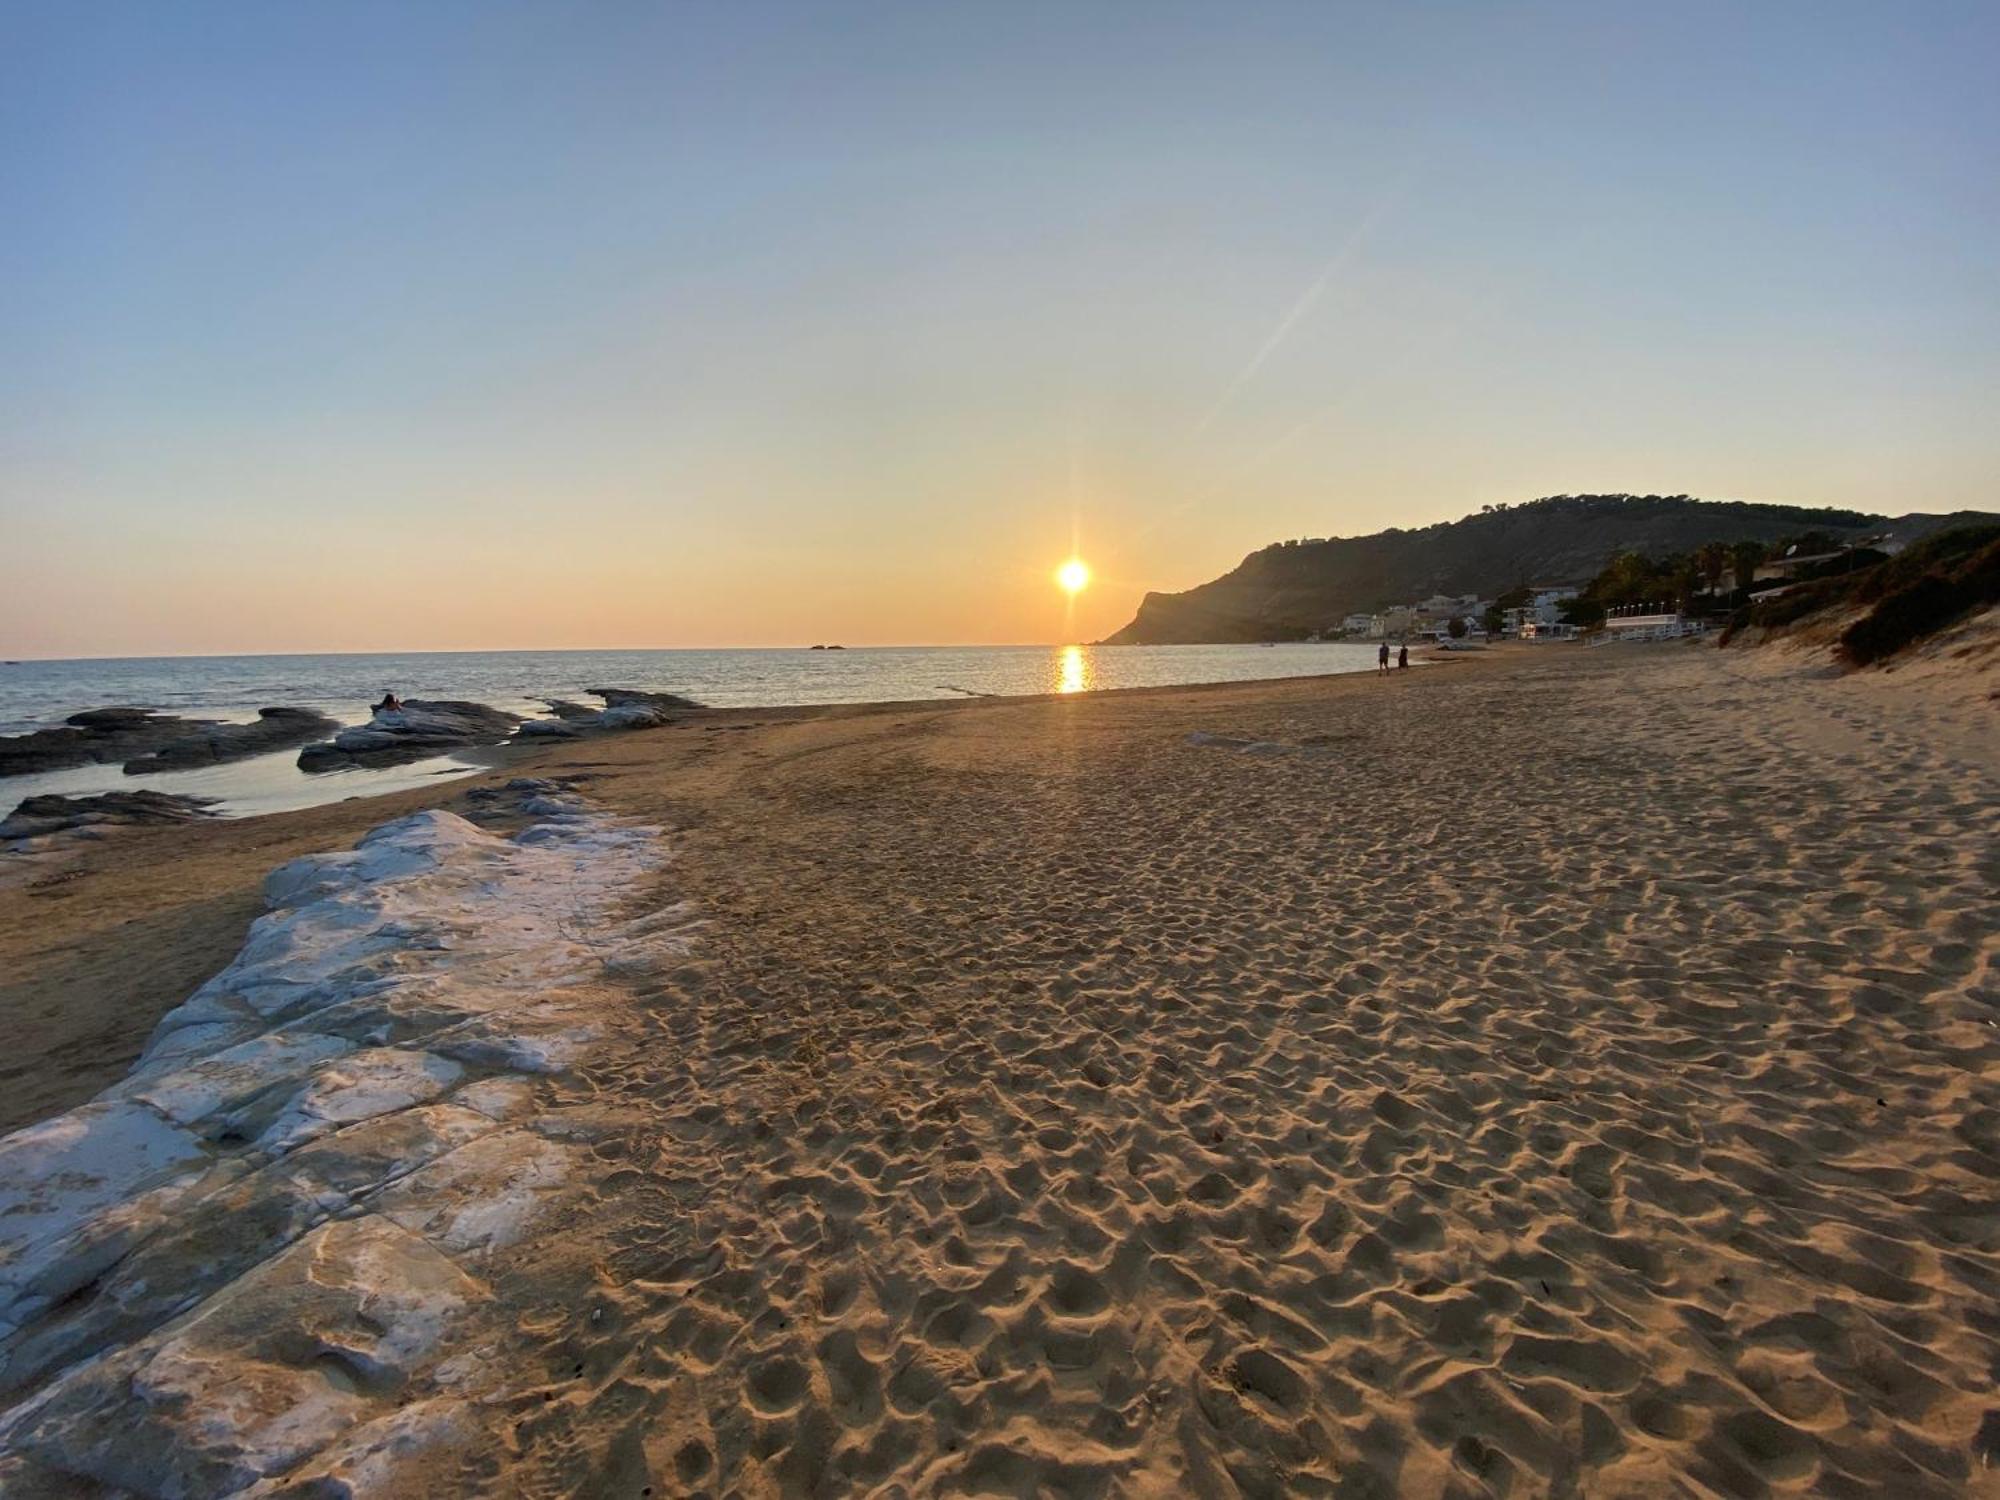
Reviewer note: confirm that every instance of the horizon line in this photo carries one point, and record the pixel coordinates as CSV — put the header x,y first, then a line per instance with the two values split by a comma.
x,y
555,650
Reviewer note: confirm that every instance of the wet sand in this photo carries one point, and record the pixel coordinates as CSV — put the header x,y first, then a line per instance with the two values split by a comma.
x,y
1554,1072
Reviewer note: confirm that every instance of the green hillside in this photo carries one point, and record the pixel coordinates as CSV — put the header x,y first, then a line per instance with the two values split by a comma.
x,y
1292,589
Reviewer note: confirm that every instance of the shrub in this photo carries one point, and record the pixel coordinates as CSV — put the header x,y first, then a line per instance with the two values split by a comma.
x,y
1793,605
1945,552
1926,605
1915,593
1905,616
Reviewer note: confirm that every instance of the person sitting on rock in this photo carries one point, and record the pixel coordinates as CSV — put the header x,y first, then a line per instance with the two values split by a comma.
x,y
390,703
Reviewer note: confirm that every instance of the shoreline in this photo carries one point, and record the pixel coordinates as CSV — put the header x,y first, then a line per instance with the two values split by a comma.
x,y
526,683
77,923
219,781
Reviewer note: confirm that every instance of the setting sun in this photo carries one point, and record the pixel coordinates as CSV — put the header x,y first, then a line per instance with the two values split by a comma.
x,y
1073,575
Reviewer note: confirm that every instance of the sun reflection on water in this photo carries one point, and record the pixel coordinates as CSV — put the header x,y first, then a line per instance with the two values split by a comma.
x,y
1075,670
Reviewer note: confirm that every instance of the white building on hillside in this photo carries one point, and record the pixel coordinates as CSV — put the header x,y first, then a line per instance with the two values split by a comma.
x,y
1447,606
1546,606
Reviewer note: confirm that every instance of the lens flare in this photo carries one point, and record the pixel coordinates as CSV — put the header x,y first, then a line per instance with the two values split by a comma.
x,y
1073,576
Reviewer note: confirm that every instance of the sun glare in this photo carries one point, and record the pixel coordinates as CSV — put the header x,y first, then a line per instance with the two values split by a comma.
x,y
1073,670
1073,575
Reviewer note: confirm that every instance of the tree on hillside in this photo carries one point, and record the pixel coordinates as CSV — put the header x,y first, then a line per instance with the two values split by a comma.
x,y
1457,628
1713,560
1627,578
1746,557
1684,573
1496,619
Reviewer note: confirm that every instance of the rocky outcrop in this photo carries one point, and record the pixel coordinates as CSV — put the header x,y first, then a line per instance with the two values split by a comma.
x,y
417,729
98,736
624,708
35,816
272,729
265,1258
632,698
146,740
554,729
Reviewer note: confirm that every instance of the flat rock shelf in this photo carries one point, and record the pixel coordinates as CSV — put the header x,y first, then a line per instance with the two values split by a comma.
x,y
263,1255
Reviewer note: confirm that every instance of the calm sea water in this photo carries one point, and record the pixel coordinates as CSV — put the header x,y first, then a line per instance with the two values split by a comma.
x,y
36,693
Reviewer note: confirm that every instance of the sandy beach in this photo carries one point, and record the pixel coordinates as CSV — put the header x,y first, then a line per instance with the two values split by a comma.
x,y
1549,1072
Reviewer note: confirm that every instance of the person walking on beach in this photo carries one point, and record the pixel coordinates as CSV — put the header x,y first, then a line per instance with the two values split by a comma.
x,y
1402,657
1382,661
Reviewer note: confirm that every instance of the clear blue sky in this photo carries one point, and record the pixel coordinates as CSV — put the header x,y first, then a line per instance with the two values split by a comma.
x,y
404,325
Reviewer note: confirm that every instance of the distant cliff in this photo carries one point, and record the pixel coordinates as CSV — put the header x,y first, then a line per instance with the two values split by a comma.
x,y
1292,589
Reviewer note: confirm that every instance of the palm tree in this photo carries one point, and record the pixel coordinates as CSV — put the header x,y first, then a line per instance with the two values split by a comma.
x,y
1683,573
1746,556
1713,560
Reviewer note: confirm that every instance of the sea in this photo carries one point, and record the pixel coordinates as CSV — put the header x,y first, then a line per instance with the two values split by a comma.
x,y
34,694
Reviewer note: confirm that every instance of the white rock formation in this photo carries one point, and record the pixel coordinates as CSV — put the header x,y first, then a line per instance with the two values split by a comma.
x,y
624,708
257,1247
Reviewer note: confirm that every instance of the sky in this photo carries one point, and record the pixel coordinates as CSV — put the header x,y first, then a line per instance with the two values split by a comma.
x,y
356,326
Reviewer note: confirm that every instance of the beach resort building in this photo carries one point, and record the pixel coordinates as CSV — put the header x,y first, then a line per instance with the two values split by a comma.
x,y
1546,606
1446,607
1647,622
1541,617
1795,565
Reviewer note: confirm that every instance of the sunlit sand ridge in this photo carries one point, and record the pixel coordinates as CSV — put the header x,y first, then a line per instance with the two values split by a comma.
x,y
1566,1074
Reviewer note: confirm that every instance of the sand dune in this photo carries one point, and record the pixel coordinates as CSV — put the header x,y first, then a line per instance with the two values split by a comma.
x,y
1577,1075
